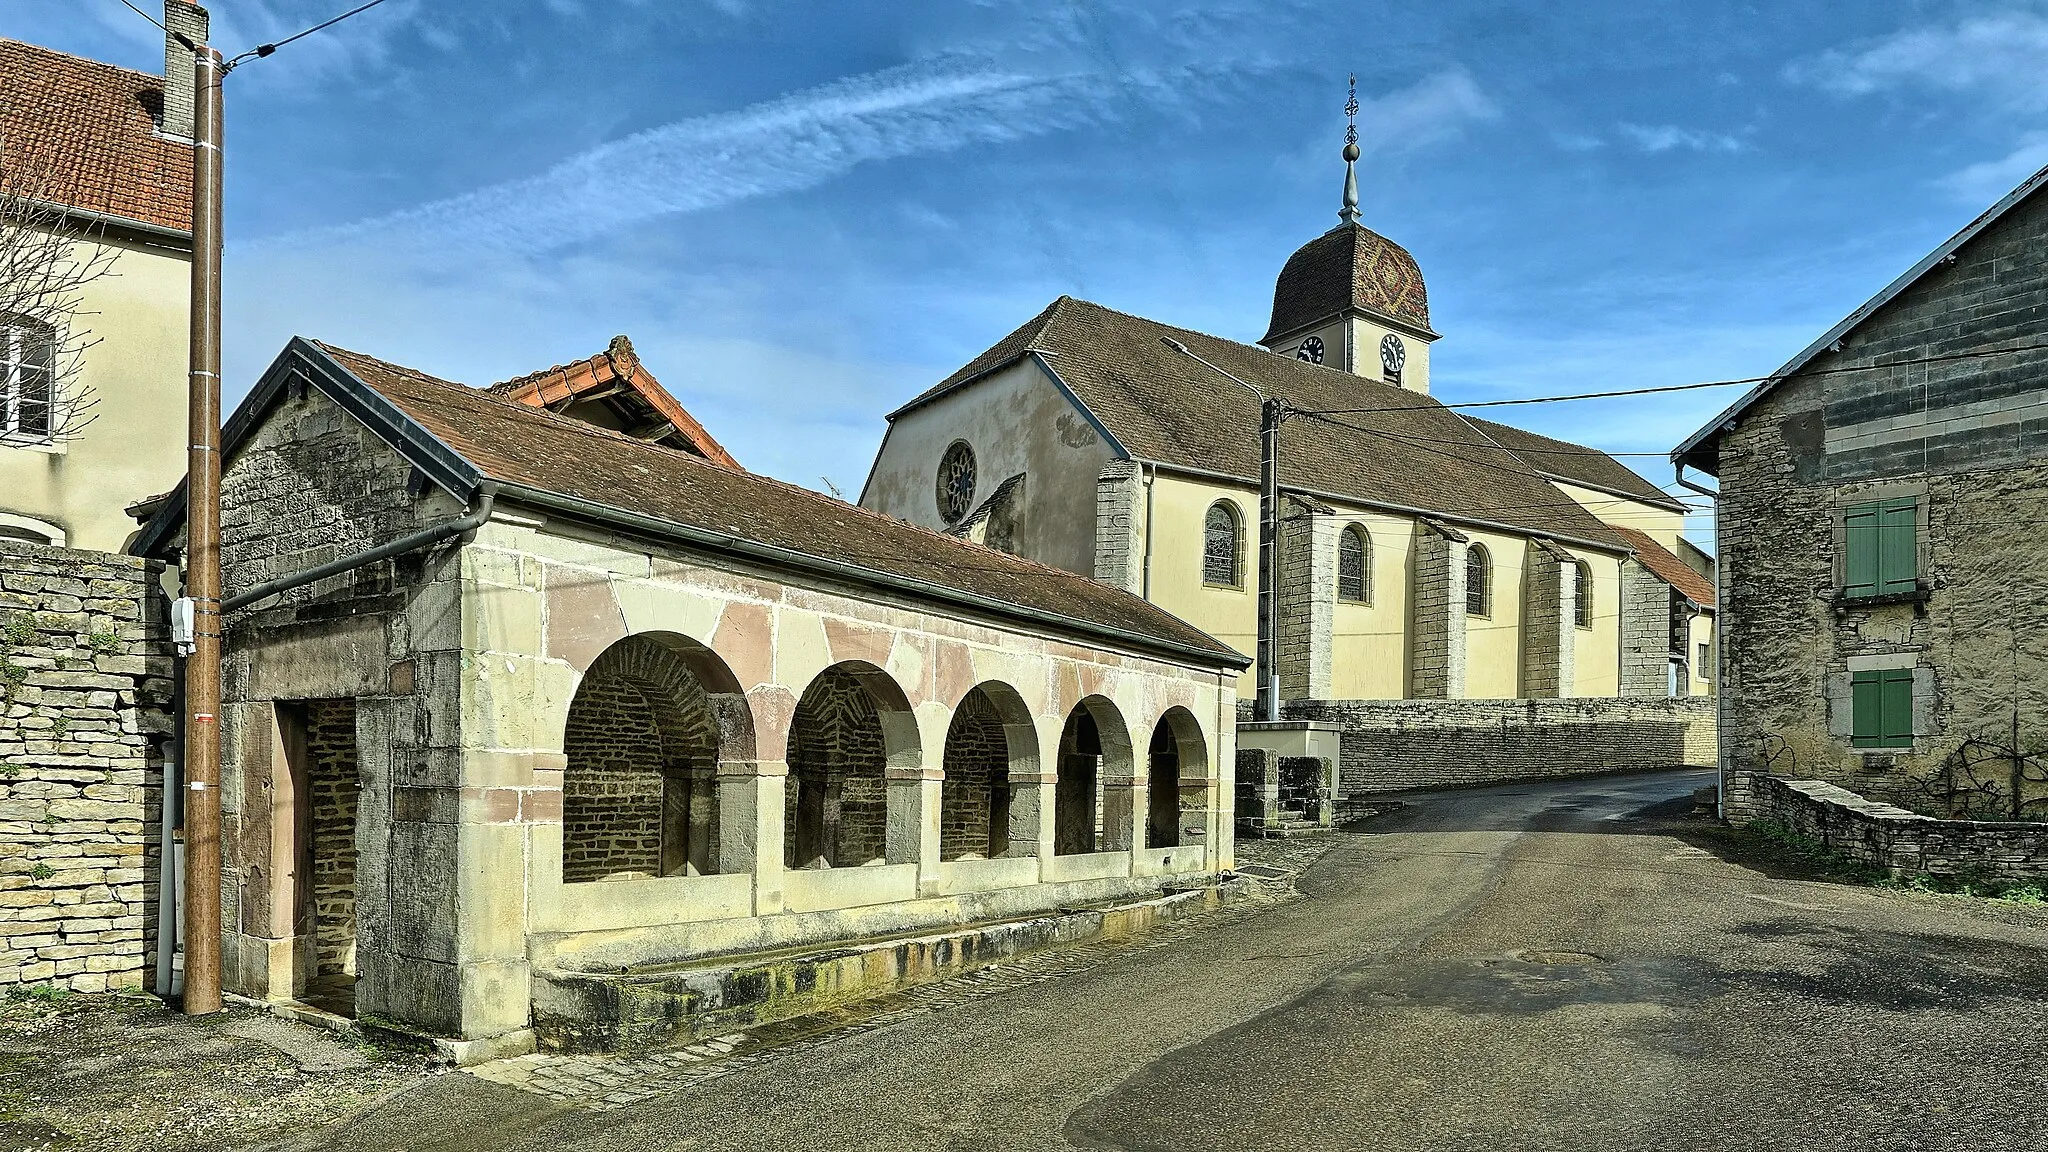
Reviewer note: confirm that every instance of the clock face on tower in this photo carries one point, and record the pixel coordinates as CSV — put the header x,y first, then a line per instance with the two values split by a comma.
x,y
1311,350
1393,355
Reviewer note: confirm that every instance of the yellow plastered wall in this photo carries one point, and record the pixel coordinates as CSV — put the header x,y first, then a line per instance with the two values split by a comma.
x,y
1493,643
1179,507
1596,652
1659,524
1702,671
135,372
1370,640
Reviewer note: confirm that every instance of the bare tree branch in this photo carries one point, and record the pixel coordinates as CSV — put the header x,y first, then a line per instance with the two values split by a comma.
x,y
47,258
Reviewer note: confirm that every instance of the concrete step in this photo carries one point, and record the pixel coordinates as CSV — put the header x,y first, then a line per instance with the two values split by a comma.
x,y
652,1007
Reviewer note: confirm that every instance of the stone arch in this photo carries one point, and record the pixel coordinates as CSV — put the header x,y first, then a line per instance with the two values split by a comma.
x,y
650,721
1177,770
991,756
852,726
1091,801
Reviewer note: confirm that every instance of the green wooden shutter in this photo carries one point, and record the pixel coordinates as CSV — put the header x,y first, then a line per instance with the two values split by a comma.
x,y
1866,709
1898,562
1859,572
1898,708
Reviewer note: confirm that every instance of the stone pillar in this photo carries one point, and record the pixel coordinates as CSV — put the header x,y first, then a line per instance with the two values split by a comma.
x,y
912,836
1120,813
1308,597
750,819
1437,667
1031,813
1549,625
1120,526
1645,631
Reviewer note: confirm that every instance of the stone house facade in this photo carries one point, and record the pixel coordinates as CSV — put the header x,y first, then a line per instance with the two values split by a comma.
x,y
636,707
1881,523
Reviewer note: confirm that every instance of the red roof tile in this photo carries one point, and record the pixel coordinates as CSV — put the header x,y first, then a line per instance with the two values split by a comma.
x,y
83,134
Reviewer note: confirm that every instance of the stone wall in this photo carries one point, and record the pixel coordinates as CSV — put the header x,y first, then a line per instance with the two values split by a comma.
x,y
1437,668
1905,843
839,808
85,709
974,812
1308,598
334,788
311,484
1872,420
1391,745
1645,632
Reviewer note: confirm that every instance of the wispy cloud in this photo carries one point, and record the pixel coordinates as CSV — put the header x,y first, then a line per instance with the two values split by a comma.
x,y
1988,180
2003,54
1654,138
781,145
1431,109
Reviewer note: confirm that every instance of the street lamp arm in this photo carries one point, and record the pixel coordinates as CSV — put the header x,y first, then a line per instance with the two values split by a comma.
x,y
1226,373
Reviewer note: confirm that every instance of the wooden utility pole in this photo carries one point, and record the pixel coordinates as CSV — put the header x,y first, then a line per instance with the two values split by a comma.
x,y
202,928
1271,412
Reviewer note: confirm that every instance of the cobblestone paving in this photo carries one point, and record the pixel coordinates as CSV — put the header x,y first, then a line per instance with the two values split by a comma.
x,y
601,1083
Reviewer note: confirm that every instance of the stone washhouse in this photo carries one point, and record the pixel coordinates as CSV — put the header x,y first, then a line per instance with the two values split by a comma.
x,y
620,708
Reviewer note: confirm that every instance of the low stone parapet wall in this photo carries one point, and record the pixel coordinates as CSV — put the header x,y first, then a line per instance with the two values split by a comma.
x,y
1902,842
85,695
1394,745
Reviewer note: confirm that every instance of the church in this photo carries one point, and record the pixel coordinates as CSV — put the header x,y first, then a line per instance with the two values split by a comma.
x,y
1425,555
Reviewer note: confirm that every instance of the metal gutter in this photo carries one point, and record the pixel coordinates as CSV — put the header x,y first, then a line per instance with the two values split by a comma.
x,y
1403,509
1221,656
432,534
109,220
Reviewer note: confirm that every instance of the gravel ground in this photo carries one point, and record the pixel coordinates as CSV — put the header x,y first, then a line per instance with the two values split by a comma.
x,y
123,1073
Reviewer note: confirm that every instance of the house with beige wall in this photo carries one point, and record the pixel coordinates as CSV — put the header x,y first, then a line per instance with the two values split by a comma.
x,y
92,383
1425,555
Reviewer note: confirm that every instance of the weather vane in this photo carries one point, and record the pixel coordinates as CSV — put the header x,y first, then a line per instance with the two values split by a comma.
x,y
1351,112
1349,215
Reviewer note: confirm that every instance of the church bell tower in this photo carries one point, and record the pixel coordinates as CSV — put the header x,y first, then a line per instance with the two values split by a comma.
x,y
1352,299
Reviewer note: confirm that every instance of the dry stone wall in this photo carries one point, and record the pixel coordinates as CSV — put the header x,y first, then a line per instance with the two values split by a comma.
x,y
1391,745
1905,843
85,710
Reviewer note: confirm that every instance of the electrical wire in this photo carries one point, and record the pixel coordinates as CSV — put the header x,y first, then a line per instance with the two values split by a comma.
x,y
1942,359
266,49
146,16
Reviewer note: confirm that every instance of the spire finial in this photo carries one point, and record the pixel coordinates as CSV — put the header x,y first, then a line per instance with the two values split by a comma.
x,y
1350,213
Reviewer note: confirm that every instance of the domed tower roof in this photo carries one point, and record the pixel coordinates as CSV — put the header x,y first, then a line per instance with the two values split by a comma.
x,y
1349,267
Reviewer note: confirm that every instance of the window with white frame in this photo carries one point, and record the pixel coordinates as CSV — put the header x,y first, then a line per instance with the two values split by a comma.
x,y
28,354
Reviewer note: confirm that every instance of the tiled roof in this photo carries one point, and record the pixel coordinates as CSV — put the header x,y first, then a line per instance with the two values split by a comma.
x,y
618,367
83,134
1394,447
1669,568
1577,464
1350,266
516,444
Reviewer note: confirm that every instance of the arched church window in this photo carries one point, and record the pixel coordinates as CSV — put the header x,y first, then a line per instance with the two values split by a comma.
x,y
956,482
1222,548
1354,565
1582,595
1478,581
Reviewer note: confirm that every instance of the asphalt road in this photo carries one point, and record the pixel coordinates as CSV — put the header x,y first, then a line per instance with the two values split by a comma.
x,y
1514,968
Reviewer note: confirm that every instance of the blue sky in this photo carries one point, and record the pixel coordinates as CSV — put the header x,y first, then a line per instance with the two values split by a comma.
x,y
803,214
